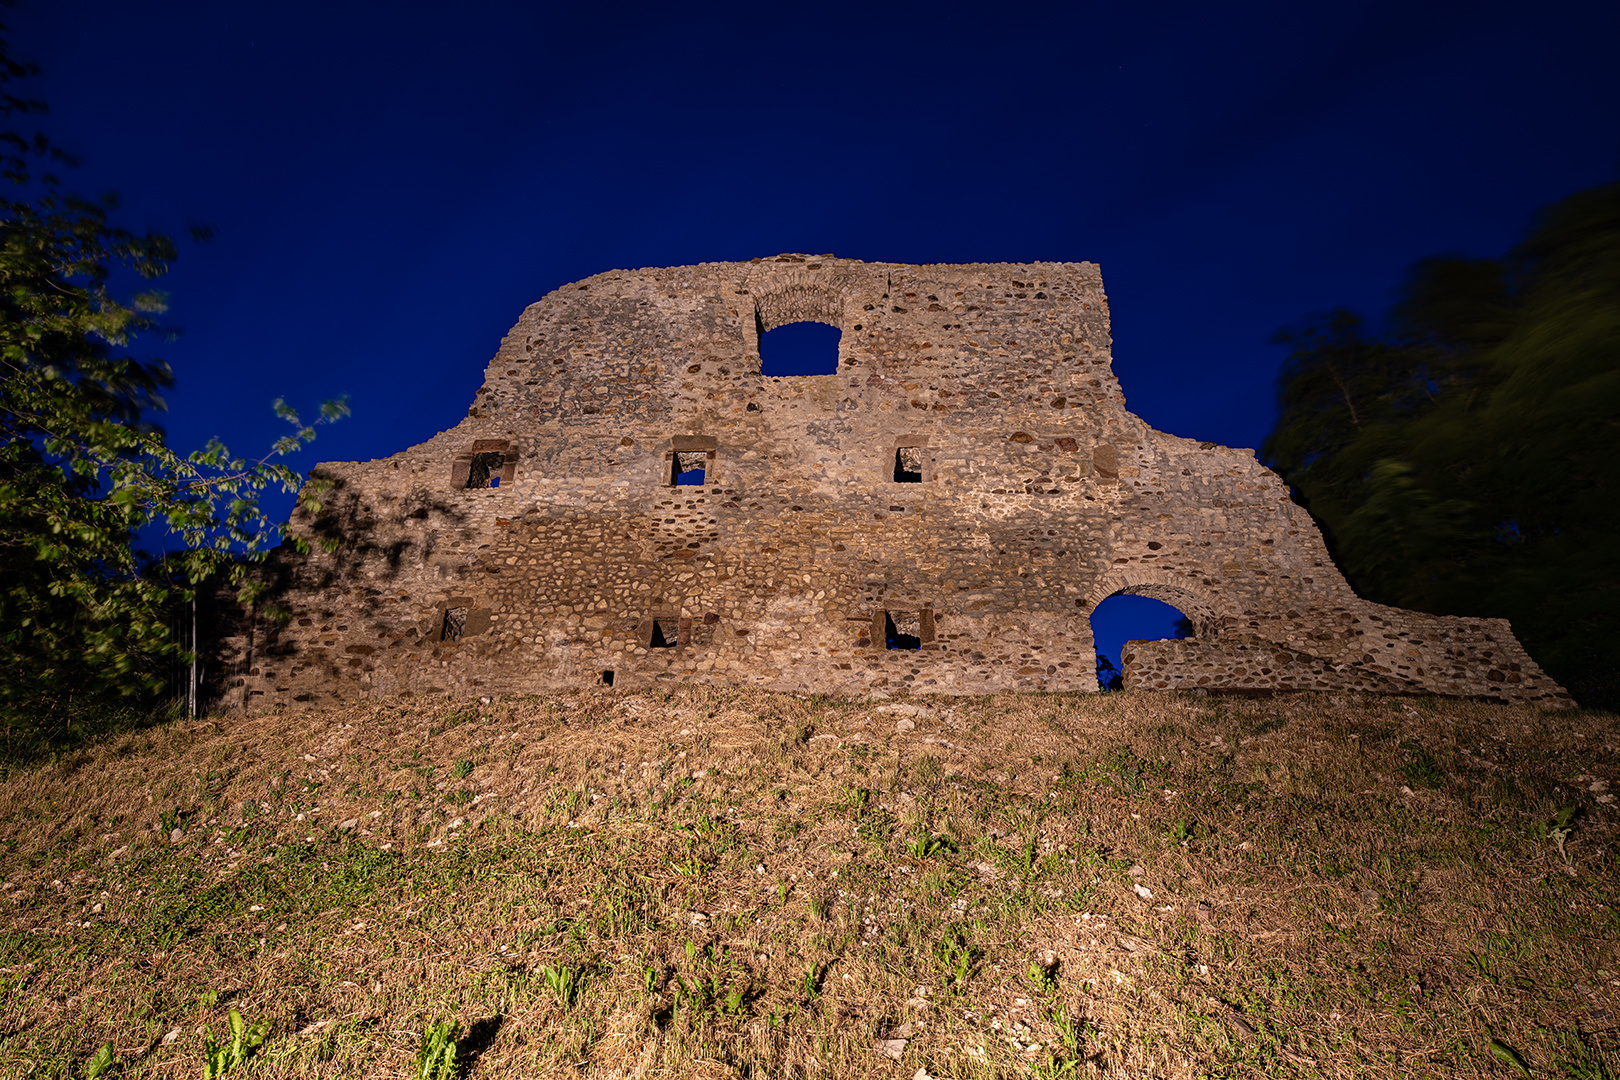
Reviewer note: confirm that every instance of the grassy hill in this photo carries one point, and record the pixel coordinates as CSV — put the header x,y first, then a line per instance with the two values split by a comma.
x,y
722,883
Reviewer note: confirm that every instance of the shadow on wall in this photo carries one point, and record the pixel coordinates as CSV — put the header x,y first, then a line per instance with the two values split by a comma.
x,y
362,576
345,531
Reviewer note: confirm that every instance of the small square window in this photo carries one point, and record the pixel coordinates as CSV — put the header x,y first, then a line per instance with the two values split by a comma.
x,y
666,633
487,463
690,468
689,461
902,630
485,470
908,465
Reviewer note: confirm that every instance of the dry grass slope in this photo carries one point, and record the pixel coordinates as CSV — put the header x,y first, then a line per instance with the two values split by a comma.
x,y
738,884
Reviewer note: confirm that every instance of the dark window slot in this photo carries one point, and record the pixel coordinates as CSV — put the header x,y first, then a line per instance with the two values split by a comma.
x,y
485,470
895,635
908,465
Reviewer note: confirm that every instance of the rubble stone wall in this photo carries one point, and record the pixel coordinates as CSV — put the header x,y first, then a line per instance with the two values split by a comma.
x,y
1033,495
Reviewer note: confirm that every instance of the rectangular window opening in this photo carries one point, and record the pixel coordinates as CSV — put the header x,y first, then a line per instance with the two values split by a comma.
x,y
902,630
607,677
485,470
666,633
908,465
455,624
689,468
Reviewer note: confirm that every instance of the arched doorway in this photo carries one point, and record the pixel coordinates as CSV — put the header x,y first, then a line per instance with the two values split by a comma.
x,y
1146,606
1124,617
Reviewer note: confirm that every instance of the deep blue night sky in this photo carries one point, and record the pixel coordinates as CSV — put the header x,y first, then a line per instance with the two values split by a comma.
x,y
392,184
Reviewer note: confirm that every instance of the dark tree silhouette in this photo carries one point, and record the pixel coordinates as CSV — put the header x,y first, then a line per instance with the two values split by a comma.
x,y
1461,461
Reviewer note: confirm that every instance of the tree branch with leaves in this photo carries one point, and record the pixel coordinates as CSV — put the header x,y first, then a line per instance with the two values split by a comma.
x,y
83,468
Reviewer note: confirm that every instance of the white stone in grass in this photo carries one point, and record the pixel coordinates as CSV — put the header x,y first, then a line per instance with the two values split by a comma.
x,y
893,1048
905,725
1143,891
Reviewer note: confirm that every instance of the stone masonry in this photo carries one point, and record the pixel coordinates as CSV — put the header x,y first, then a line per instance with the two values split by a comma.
x,y
942,514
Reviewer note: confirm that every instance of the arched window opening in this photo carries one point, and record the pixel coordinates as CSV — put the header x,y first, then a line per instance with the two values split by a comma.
x,y
799,348
1123,617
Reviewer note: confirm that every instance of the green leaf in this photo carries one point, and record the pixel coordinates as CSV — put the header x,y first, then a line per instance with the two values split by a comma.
x,y
99,1062
1508,1056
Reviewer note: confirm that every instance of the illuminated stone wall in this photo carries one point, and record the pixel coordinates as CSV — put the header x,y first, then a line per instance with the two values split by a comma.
x,y
542,543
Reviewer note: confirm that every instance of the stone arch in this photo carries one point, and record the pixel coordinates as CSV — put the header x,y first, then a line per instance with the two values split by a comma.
x,y
798,301
1205,609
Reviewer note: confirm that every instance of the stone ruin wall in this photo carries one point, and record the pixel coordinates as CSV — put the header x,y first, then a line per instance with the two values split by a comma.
x,y
573,559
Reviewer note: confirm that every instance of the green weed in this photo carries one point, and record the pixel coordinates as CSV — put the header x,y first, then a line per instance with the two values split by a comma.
x,y
565,982
99,1062
956,956
436,1053
221,1057
926,845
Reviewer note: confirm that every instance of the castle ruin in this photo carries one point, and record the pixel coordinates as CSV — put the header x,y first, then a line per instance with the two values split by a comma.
x,y
629,501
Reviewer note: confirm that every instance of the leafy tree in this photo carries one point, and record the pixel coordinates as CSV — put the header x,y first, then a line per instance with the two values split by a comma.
x,y
82,471
1462,460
